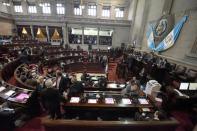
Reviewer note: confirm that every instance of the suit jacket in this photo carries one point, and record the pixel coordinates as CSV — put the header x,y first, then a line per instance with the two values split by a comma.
x,y
50,97
63,84
76,88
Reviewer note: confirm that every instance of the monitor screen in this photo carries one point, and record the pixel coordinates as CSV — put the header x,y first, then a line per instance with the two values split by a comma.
x,y
126,101
94,78
122,85
22,96
146,109
74,100
92,101
183,86
112,85
2,88
109,100
143,101
193,86
9,93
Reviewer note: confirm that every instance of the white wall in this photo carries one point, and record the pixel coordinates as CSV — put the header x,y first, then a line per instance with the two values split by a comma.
x,y
137,24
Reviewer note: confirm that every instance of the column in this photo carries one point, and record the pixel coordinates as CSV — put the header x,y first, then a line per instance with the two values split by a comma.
x,y
112,12
47,31
32,32
39,8
97,42
64,33
82,35
25,7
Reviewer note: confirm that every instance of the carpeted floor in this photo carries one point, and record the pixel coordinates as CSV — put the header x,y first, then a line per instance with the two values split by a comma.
x,y
32,125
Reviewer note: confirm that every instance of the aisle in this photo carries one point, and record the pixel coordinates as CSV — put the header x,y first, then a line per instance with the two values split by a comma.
x,y
112,66
12,81
32,125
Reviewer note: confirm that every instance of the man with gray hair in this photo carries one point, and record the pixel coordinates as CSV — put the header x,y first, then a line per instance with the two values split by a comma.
x,y
51,100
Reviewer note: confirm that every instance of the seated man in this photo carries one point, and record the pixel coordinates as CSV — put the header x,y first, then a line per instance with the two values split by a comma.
x,y
132,86
102,83
76,87
84,76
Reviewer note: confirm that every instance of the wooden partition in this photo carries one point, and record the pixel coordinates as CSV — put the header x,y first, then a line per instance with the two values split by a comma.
x,y
84,125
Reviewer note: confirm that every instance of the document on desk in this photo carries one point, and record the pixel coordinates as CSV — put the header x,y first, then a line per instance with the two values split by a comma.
x,y
74,100
184,86
109,100
92,101
2,88
146,109
126,101
143,101
193,86
112,85
9,93
22,96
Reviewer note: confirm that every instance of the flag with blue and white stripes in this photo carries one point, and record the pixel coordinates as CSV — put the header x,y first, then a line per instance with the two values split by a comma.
x,y
169,40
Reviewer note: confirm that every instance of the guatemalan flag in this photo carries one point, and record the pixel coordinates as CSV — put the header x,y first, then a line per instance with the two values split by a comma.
x,y
169,40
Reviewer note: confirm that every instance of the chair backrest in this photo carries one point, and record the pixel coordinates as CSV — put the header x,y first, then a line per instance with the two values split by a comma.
x,y
180,70
191,74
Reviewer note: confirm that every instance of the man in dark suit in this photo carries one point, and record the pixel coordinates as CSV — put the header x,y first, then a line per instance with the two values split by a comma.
x,y
76,87
62,83
51,99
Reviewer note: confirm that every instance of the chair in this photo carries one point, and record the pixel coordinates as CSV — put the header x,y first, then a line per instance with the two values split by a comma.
x,y
180,70
189,76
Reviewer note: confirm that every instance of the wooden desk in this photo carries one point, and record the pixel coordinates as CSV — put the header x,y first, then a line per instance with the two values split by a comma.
x,y
86,109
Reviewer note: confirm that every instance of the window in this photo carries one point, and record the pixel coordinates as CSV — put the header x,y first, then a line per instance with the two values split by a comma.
x,y
90,36
18,8
92,10
46,9
106,11
60,9
32,9
77,10
105,36
75,35
119,12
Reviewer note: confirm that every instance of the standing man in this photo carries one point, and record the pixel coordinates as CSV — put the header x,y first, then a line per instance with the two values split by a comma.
x,y
62,83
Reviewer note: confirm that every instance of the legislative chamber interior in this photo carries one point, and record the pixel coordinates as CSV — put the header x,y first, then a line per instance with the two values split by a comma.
x,y
98,65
